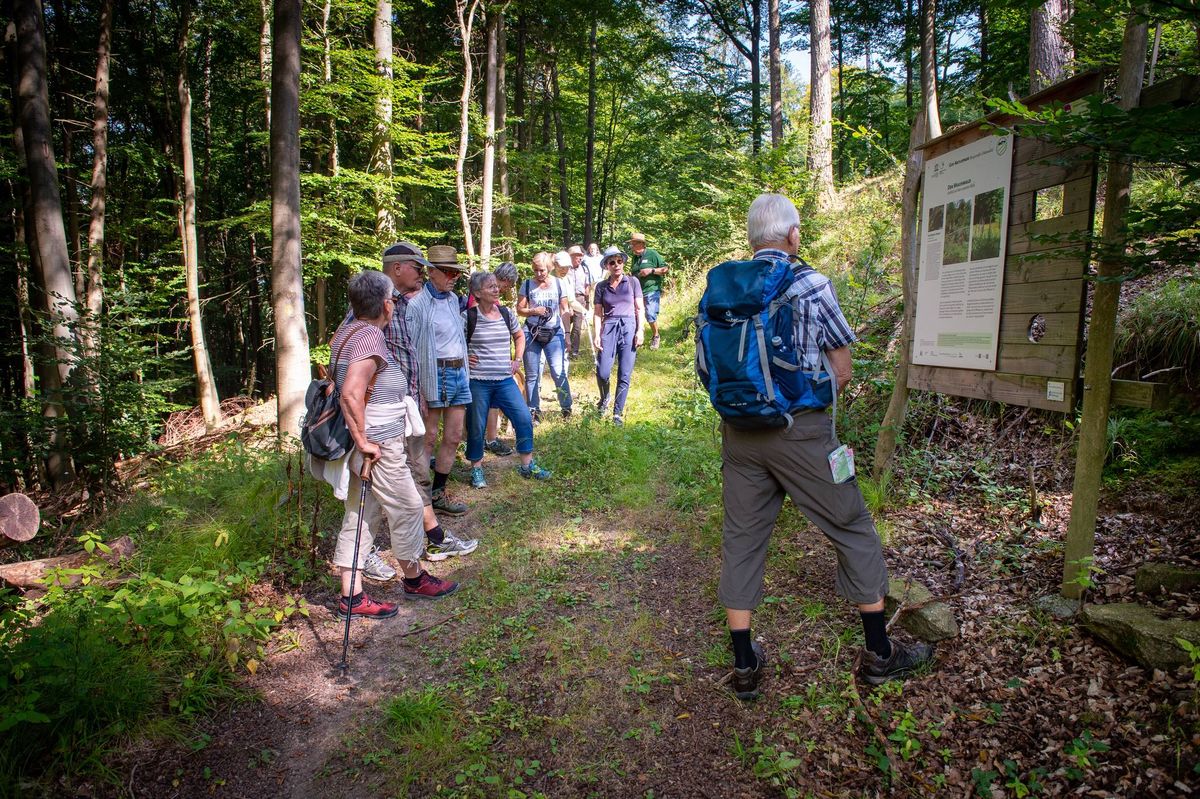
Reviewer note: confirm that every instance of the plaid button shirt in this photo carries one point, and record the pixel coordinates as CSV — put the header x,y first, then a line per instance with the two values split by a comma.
x,y
400,343
820,324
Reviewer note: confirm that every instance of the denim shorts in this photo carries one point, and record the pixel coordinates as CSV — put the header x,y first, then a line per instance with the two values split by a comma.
x,y
453,387
652,300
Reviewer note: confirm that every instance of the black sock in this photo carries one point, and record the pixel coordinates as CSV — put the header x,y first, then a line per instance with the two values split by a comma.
x,y
743,650
436,536
439,480
875,629
413,582
355,600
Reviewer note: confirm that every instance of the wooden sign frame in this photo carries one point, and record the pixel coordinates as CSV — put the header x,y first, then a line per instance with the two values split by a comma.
x,y
1045,267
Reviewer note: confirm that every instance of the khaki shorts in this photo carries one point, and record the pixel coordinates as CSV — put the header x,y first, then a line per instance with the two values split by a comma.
x,y
758,470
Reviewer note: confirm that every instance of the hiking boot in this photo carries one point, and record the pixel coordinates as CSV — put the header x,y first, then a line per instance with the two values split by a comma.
x,y
533,471
429,587
376,568
498,448
477,479
446,504
367,608
566,413
535,415
745,681
655,342
904,660
602,407
451,545
618,421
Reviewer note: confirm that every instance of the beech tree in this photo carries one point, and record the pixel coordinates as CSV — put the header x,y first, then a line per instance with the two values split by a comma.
x,y
1049,52
287,282
820,143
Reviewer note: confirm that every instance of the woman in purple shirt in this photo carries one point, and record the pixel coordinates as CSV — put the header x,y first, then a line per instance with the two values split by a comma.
x,y
618,322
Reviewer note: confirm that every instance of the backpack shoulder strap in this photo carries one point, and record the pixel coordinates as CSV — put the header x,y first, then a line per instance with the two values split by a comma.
x,y
507,314
472,321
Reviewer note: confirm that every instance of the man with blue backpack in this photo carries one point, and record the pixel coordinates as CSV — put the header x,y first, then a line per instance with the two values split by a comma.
x,y
773,350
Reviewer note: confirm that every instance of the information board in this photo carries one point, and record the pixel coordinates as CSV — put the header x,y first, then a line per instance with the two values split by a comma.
x,y
964,225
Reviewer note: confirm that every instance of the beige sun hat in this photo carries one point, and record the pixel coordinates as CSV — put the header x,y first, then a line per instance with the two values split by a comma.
x,y
445,257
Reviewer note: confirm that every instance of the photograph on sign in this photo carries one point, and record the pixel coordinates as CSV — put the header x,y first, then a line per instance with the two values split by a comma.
x,y
965,208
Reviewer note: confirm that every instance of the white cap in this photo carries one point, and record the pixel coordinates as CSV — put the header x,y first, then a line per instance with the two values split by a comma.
x,y
561,258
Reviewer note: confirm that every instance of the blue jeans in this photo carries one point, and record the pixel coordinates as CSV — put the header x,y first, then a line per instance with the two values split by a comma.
x,y
505,395
556,354
616,346
652,300
453,388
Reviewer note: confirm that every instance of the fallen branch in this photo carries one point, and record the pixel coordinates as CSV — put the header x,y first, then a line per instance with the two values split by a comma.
x,y
31,574
420,630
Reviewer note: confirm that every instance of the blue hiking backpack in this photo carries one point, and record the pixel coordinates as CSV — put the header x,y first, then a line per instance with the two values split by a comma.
x,y
746,347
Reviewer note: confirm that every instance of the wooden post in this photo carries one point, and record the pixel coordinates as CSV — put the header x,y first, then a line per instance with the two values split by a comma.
x,y
1097,377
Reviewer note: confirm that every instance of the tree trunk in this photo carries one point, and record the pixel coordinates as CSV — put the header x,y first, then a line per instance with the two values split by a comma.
x,y
910,254
292,369
489,137
756,126
45,234
31,574
95,263
908,62
465,11
381,141
206,385
264,57
929,95
564,201
820,147
1106,294
590,165
1048,51
321,284
1154,53
841,134
506,220
775,67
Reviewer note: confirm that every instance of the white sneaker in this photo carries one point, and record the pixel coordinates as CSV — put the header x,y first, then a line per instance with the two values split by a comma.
x,y
376,568
451,545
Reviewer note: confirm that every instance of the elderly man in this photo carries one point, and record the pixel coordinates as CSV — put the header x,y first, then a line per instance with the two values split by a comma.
x,y
649,268
579,280
762,466
434,320
404,264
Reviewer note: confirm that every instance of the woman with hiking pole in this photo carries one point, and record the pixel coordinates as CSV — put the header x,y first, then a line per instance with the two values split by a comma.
x,y
618,326
372,387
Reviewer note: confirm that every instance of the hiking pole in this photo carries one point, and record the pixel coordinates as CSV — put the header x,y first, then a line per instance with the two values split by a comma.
x,y
343,666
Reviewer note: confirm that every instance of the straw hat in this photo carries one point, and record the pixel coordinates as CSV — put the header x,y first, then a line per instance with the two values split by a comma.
x,y
445,257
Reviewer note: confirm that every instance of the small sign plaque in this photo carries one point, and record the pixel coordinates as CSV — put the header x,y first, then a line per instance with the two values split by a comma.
x,y
1055,390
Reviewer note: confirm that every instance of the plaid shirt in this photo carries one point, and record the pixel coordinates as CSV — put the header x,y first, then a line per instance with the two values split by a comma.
x,y
399,342
820,324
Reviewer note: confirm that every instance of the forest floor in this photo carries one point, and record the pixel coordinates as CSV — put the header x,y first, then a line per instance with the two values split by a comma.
x,y
586,652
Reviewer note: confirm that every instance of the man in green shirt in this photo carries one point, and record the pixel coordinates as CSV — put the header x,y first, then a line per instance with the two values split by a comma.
x,y
649,268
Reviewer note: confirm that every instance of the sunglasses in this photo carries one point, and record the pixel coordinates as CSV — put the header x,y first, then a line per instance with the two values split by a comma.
x,y
615,261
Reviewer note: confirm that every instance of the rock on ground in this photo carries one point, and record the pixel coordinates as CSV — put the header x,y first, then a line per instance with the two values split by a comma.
x,y
1154,578
1138,633
930,622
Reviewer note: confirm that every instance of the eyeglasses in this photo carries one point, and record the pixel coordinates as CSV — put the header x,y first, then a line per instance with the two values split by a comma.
x,y
615,261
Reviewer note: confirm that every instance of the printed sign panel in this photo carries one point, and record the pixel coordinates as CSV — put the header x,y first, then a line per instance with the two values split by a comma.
x,y
964,231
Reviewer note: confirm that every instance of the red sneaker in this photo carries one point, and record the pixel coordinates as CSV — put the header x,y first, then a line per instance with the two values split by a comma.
x,y
429,587
368,608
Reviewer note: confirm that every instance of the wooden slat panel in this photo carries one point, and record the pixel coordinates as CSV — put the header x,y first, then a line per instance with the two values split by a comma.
x,y
1049,234
1032,149
1182,88
1062,329
1077,197
1046,360
1052,296
1029,177
1035,267
1137,394
1025,390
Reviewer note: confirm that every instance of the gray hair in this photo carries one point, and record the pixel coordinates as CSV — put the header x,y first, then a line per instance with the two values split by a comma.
x,y
478,279
771,219
506,271
369,290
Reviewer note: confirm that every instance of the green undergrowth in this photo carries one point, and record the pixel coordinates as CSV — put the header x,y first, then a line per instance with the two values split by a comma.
x,y
84,669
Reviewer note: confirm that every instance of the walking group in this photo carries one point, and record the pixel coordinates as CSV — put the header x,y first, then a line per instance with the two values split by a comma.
x,y
418,367
772,349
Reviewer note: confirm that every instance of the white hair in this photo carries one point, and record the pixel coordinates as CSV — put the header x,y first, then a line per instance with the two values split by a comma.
x,y
771,219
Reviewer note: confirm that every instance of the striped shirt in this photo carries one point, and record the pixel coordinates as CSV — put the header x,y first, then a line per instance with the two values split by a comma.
x,y
398,341
820,324
491,343
357,341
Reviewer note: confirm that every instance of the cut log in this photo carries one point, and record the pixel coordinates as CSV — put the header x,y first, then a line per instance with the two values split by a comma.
x,y
30,574
19,519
